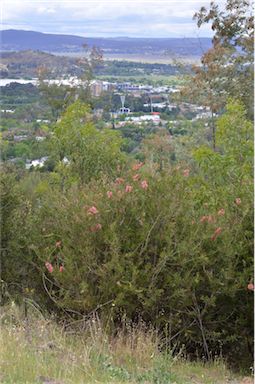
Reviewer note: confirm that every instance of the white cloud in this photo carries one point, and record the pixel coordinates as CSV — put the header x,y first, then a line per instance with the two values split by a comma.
x,y
45,10
165,18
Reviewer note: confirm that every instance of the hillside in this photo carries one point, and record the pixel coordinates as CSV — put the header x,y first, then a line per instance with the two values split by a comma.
x,y
127,196
29,40
26,64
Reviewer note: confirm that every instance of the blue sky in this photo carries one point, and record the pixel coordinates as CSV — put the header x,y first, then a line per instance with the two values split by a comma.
x,y
133,18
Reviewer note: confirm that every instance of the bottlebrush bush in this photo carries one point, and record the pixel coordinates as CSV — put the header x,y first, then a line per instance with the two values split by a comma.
x,y
162,249
172,247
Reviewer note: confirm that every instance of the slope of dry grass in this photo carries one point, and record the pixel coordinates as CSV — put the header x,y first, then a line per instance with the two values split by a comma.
x,y
38,350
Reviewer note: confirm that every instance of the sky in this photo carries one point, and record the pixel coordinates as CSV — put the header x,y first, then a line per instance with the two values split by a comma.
x,y
132,18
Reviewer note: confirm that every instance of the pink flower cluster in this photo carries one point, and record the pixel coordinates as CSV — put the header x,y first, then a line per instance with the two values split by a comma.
x,y
109,194
221,212
128,188
136,177
93,211
50,268
186,172
207,219
144,184
238,201
137,166
119,180
250,287
217,232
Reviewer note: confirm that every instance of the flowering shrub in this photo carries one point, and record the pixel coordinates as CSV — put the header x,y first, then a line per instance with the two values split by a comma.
x,y
161,249
152,245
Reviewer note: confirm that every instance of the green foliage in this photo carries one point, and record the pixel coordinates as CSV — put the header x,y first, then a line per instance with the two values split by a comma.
x,y
134,135
171,245
91,152
227,68
235,135
173,248
10,203
9,199
233,160
56,96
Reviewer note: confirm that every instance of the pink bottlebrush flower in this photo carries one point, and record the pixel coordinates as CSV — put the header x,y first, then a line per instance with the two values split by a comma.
x,y
238,201
136,177
49,267
61,268
216,233
119,180
128,188
208,219
96,227
58,244
92,211
221,212
203,219
109,194
137,166
250,287
218,230
186,172
144,184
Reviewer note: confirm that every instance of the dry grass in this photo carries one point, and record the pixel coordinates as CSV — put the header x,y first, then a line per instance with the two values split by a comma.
x,y
39,351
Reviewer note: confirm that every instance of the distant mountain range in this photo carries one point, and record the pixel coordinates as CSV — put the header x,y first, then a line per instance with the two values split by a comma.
x,y
19,40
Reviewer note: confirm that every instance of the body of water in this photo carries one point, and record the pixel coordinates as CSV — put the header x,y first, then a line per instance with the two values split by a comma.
x,y
4,82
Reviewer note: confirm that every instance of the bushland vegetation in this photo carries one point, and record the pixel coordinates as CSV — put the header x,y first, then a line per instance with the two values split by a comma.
x,y
157,239
168,244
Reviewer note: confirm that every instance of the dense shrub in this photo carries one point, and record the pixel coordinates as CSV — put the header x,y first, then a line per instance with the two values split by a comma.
x,y
172,246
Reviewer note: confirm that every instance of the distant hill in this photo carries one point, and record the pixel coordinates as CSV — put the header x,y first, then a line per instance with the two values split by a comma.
x,y
19,40
26,63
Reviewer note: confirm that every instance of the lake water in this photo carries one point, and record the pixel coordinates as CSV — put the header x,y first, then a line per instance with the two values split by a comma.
x,y
4,82
71,81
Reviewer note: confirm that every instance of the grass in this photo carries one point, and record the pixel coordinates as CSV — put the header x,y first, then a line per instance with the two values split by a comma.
x,y
38,348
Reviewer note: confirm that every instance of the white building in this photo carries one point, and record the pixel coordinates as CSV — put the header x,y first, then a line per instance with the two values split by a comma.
x,y
144,118
37,163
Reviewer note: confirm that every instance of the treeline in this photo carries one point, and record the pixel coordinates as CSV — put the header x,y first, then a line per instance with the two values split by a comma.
x,y
129,68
